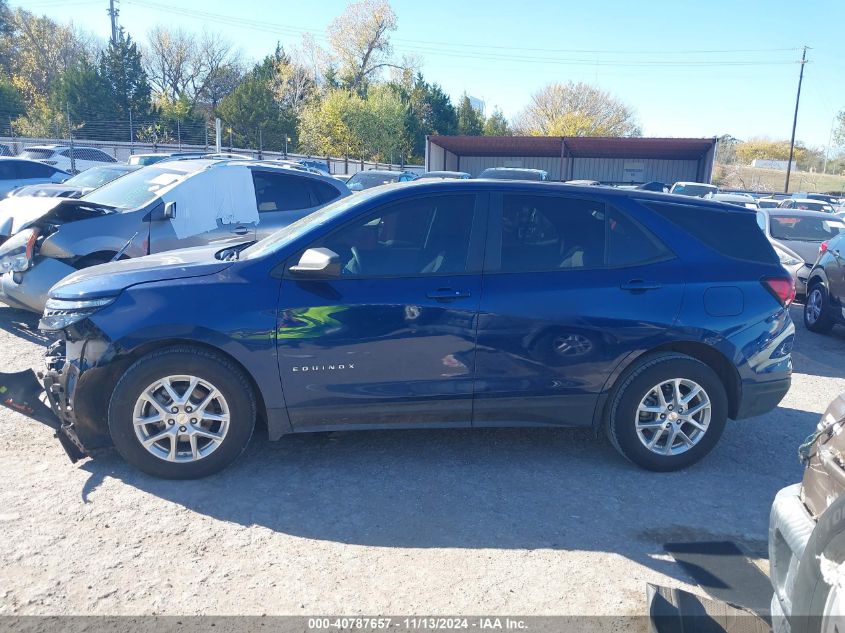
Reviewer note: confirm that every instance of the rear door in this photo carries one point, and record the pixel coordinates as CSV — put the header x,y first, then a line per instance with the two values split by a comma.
x,y
571,286
284,198
391,340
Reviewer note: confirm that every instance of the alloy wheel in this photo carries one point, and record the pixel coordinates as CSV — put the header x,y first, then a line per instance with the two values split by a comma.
x,y
813,307
673,416
181,418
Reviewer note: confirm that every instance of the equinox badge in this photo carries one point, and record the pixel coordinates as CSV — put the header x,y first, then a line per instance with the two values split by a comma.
x,y
299,368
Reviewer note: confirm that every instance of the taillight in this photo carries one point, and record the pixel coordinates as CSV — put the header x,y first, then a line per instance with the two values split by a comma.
x,y
782,288
822,248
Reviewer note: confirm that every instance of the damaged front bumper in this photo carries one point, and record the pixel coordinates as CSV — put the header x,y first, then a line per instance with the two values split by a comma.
x,y
44,397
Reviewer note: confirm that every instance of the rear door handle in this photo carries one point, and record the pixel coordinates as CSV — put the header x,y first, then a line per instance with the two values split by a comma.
x,y
448,294
240,230
638,285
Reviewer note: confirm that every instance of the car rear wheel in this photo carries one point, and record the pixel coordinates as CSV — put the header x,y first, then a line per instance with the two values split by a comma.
x,y
182,413
668,412
817,317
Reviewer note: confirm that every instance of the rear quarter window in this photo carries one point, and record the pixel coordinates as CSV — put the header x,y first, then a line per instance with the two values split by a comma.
x,y
323,192
734,234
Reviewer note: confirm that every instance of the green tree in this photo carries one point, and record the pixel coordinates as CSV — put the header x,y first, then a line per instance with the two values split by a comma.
x,y
470,121
81,95
122,72
331,125
252,111
497,125
11,102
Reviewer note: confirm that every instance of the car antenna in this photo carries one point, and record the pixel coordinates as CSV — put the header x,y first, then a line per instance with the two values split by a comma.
x,y
120,253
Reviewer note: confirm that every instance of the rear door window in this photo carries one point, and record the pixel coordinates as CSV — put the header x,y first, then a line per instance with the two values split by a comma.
x,y
324,192
631,244
545,233
280,192
35,170
9,169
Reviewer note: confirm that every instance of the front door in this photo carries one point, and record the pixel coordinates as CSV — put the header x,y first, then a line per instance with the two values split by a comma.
x,y
571,286
391,340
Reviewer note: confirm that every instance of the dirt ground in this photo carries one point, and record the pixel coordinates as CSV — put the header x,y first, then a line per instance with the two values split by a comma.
x,y
543,522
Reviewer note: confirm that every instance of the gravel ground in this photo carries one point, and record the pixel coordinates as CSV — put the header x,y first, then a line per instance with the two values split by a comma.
x,y
544,522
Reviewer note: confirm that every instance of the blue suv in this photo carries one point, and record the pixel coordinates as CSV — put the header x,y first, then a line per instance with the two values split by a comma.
x,y
649,317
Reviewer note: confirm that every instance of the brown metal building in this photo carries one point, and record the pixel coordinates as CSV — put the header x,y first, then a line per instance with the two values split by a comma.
x,y
610,160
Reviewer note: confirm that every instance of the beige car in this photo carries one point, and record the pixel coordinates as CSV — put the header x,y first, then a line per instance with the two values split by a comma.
x,y
807,535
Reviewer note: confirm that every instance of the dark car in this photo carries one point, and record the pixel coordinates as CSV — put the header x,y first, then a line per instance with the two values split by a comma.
x,y
377,177
76,186
19,172
514,173
826,287
430,305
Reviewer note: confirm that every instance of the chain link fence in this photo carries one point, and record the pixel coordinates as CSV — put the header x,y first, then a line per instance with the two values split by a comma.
x,y
122,139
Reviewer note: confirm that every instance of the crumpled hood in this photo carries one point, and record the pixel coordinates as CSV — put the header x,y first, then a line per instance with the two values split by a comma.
x,y
49,190
108,280
17,213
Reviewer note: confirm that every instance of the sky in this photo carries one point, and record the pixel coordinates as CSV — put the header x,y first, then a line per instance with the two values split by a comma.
x,y
687,67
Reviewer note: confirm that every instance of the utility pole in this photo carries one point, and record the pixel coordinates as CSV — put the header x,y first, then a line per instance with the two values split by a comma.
x,y
795,119
70,135
113,13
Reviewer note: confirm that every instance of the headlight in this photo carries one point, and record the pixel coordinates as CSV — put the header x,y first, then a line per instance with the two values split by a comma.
x,y
787,260
16,252
61,313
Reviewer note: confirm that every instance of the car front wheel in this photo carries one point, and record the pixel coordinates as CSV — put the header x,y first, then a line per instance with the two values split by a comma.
x,y
667,413
182,413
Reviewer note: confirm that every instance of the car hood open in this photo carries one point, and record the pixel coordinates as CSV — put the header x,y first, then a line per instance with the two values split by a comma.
x,y
108,280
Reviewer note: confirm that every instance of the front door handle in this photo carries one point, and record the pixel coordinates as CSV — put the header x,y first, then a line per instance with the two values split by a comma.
x,y
240,230
448,294
638,285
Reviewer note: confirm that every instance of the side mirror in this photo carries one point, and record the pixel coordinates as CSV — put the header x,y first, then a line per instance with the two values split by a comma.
x,y
169,210
319,262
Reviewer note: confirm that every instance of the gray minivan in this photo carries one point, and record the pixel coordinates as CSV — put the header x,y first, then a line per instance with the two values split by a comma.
x,y
169,205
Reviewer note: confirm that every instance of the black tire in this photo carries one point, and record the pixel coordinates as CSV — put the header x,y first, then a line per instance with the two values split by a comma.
x,y
636,383
229,380
810,590
824,323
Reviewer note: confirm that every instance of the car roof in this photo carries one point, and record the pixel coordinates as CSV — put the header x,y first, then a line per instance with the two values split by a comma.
x,y
536,186
53,147
733,196
381,172
529,169
813,200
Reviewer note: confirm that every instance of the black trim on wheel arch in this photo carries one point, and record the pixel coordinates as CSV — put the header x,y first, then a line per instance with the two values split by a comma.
x,y
185,360
620,424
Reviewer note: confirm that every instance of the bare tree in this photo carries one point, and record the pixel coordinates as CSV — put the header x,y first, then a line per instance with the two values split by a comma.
x,y
204,68
576,109
360,40
168,61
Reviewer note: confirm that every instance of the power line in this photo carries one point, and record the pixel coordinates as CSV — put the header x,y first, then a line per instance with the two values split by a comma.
x,y
427,45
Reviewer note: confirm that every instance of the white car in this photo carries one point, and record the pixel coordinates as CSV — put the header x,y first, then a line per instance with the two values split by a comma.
x,y
769,203
806,204
737,199
59,156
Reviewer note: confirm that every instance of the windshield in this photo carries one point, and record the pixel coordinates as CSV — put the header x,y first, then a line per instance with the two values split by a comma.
x,y
689,189
768,204
37,154
366,179
811,205
302,226
137,188
804,228
146,160
95,177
